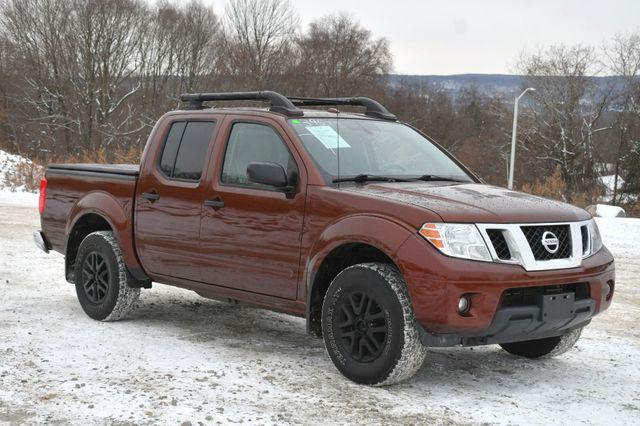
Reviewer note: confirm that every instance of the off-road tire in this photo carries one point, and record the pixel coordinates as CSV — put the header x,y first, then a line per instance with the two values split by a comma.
x,y
111,298
400,354
544,348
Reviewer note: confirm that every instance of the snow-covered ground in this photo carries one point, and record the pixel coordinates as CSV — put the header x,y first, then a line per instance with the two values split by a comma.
x,y
182,358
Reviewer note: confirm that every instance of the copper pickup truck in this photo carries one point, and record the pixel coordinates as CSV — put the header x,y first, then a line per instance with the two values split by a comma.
x,y
356,221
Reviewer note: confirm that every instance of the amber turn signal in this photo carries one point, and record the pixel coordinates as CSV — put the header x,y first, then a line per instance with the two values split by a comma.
x,y
431,233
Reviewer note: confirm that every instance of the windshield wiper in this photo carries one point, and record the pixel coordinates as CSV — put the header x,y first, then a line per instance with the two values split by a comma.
x,y
432,178
369,178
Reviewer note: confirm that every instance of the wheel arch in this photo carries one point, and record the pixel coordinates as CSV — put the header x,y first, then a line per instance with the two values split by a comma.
x,y
83,225
101,211
350,241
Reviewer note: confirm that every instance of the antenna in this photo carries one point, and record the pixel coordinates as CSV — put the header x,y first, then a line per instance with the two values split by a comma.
x,y
338,130
338,141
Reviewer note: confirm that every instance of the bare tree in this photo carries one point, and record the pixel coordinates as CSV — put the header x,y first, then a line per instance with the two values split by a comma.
x,y
338,57
35,31
104,36
569,110
200,43
78,60
158,60
623,57
258,35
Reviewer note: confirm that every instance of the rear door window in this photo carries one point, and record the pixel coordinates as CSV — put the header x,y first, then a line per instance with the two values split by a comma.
x,y
193,150
185,159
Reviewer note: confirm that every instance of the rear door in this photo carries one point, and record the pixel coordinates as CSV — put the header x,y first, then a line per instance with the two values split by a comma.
x,y
250,233
169,199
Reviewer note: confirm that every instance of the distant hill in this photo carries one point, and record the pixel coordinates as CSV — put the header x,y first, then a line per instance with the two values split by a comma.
x,y
503,85
488,84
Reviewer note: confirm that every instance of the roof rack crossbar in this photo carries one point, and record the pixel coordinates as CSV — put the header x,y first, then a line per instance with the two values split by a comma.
x,y
288,105
373,108
278,102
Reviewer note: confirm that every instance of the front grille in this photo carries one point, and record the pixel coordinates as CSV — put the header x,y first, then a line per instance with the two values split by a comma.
x,y
534,237
499,243
525,296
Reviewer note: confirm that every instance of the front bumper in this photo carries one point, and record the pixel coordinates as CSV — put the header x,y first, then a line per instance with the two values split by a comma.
x,y
520,323
436,283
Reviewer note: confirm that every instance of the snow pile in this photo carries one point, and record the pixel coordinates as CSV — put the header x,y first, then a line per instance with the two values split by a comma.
x,y
609,182
18,174
605,210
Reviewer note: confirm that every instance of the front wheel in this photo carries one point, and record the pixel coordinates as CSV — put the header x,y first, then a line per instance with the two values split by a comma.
x,y
102,280
369,327
544,348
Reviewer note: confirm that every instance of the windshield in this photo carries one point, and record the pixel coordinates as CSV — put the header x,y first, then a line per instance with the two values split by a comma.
x,y
370,147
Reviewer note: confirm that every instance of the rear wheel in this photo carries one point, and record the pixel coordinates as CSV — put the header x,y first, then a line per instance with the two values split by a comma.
x,y
102,280
544,348
369,327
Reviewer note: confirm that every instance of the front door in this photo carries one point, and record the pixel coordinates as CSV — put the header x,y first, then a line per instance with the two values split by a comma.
x,y
169,201
250,233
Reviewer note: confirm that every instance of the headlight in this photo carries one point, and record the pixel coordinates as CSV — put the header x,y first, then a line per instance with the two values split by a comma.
x,y
595,241
457,240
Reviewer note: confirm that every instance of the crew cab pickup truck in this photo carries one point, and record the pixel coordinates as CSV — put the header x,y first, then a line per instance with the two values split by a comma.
x,y
356,221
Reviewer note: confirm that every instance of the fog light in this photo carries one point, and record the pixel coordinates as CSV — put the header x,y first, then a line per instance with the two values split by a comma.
x,y
464,304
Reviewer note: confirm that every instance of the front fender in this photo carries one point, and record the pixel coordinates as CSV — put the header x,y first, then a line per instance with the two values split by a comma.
x,y
380,232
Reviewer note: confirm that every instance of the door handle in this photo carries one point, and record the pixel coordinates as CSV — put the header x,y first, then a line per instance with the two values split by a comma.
x,y
151,196
216,204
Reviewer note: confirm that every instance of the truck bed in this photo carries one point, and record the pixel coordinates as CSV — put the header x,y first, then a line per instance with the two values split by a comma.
x,y
110,186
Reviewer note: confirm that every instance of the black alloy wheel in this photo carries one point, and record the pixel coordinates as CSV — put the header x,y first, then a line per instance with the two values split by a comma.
x,y
362,326
106,291
95,277
368,325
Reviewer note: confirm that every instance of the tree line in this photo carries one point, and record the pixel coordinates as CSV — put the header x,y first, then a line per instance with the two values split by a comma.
x,y
87,79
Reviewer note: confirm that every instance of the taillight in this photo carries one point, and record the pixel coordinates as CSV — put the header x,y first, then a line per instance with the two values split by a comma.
x,y
43,195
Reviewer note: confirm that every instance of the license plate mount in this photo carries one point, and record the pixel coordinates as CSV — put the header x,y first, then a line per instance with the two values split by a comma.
x,y
557,306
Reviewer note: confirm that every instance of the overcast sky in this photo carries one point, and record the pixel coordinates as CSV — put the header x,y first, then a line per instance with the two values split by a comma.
x,y
475,36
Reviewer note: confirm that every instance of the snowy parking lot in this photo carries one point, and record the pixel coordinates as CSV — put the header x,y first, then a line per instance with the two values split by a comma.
x,y
182,358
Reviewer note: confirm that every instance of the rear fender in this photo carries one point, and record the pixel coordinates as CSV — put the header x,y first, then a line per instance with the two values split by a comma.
x,y
118,217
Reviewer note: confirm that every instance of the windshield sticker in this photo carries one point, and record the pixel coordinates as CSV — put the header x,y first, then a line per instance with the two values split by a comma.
x,y
328,136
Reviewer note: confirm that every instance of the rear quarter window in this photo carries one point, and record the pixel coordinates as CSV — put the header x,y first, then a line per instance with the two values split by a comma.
x,y
171,145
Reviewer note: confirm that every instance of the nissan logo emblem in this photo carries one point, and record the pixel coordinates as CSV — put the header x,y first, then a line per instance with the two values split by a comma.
x,y
550,242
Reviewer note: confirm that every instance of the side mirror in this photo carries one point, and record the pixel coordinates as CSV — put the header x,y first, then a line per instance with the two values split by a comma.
x,y
268,173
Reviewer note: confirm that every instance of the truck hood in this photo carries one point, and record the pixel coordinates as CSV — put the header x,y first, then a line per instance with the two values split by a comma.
x,y
474,203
